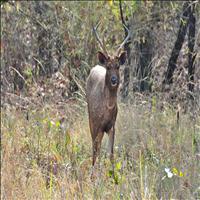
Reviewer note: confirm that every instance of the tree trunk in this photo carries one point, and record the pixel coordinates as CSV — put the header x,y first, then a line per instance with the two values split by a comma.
x,y
143,71
191,54
59,52
178,45
49,59
44,42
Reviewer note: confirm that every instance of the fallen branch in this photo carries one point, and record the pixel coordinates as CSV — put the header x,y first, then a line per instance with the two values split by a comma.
x,y
18,73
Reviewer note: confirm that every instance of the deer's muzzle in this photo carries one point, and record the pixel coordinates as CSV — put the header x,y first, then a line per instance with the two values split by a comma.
x,y
114,80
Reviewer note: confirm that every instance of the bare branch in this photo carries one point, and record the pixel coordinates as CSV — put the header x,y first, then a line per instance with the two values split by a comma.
x,y
18,73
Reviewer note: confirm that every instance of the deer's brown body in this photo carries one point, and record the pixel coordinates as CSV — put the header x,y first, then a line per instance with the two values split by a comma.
x,y
101,93
102,108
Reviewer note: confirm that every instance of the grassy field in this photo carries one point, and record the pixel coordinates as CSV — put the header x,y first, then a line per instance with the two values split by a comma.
x,y
46,157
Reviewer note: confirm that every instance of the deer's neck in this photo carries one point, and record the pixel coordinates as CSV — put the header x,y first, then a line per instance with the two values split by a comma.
x,y
110,97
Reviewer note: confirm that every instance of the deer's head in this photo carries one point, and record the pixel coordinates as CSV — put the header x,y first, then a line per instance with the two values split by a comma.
x,y
111,63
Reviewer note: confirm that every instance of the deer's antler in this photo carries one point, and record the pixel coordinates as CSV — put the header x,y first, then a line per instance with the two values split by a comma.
x,y
98,39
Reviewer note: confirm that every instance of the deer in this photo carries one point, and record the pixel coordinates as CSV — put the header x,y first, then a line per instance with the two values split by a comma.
x,y
101,95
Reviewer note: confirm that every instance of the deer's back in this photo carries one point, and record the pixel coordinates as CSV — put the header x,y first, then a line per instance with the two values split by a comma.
x,y
94,92
95,84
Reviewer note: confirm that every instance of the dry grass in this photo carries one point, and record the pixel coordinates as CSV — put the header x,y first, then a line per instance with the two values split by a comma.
x,y
43,158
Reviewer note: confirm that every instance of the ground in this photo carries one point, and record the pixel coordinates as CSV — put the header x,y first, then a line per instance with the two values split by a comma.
x,y
47,156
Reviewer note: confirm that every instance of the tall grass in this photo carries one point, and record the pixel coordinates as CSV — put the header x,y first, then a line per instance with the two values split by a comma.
x,y
44,157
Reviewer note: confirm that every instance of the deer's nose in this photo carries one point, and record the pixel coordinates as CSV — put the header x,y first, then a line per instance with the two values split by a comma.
x,y
114,80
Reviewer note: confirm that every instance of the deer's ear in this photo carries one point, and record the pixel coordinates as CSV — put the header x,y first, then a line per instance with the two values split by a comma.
x,y
122,58
102,58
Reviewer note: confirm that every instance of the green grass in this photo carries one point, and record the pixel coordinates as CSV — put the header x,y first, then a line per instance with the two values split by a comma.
x,y
43,158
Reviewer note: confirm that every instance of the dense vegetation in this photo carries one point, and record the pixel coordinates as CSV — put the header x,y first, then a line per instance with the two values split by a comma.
x,y
47,51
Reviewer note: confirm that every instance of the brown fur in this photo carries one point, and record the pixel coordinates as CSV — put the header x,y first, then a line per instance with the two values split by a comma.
x,y
102,100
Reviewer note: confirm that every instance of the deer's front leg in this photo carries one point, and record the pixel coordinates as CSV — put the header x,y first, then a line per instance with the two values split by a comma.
x,y
111,143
